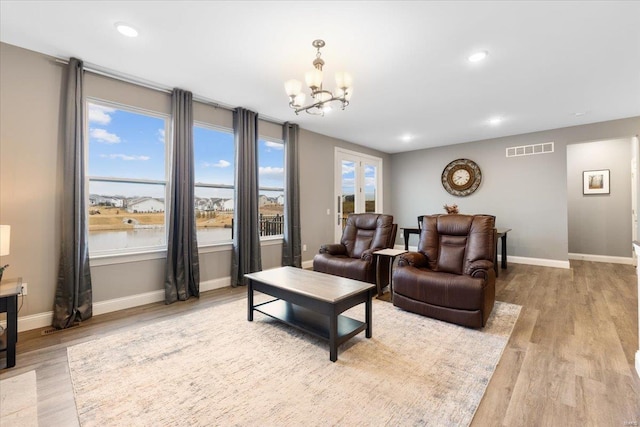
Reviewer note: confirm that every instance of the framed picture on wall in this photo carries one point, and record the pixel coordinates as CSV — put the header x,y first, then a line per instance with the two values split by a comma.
x,y
595,182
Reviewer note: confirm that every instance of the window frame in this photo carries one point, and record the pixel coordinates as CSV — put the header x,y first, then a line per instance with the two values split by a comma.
x,y
277,141
230,131
141,252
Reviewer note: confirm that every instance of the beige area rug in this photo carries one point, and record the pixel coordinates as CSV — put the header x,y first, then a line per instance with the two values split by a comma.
x,y
19,401
213,367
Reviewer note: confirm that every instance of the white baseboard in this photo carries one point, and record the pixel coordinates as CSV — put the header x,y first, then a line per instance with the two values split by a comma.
x,y
517,259
602,258
542,262
307,264
42,320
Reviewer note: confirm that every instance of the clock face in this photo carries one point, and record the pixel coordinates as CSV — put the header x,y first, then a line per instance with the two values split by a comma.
x,y
461,177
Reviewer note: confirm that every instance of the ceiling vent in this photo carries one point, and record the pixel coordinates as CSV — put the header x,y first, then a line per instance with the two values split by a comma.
x,y
529,150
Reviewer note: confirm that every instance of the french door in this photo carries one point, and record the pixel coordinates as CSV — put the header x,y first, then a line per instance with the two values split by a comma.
x,y
358,186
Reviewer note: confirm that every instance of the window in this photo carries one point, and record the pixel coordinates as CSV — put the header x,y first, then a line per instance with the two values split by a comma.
x,y
127,176
214,154
271,187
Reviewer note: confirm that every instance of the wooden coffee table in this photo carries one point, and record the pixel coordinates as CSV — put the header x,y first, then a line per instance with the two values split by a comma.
x,y
312,302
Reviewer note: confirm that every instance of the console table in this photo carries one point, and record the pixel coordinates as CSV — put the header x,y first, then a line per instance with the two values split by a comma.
x,y
9,291
408,231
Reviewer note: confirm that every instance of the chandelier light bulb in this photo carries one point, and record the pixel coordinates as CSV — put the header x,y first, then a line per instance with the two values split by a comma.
x,y
343,80
313,78
293,87
299,100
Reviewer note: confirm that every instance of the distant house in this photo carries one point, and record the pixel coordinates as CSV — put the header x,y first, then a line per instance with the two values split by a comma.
x,y
145,205
280,200
228,205
97,200
263,200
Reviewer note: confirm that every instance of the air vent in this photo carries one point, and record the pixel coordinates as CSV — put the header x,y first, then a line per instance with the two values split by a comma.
x,y
529,150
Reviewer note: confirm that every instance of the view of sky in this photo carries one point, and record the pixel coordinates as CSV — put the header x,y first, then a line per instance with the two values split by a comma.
x,y
349,178
126,144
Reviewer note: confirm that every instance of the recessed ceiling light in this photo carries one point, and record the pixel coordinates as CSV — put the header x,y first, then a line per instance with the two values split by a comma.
x,y
580,113
495,121
478,56
406,137
126,29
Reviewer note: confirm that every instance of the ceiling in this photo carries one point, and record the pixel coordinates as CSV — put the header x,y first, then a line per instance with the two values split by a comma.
x,y
550,64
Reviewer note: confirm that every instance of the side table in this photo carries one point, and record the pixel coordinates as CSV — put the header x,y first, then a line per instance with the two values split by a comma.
x,y
391,255
9,291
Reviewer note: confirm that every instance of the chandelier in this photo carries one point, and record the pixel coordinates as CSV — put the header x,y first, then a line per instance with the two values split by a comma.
x,y
322,98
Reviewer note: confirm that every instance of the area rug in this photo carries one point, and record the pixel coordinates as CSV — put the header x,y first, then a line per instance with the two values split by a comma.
x,y
19,401
213,367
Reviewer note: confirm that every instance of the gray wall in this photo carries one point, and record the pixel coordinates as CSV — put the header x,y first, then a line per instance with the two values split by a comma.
x,y
600,224
317,187
527,194
31,181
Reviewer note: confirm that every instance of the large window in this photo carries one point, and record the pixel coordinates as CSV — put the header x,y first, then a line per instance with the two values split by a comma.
x,y
127,173
271,187
214,153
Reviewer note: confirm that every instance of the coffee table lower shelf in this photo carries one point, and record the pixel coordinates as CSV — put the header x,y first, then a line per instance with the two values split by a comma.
x,y
310,321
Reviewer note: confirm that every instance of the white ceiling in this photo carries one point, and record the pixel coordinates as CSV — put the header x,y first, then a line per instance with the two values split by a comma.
x,y
547,60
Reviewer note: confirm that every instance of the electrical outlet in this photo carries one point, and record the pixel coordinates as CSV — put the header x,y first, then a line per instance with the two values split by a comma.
x,y
24,289
304,248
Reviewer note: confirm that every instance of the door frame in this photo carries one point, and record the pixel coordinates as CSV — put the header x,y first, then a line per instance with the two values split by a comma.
x,y
344,154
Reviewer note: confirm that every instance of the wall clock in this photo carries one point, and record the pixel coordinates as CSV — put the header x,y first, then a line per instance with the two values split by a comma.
x,y
461,177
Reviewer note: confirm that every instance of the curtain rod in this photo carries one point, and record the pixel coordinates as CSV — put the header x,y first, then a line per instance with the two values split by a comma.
x,y
157,87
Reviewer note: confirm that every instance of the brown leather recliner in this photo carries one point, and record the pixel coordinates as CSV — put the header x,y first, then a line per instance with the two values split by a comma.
x,y
352,257
451,277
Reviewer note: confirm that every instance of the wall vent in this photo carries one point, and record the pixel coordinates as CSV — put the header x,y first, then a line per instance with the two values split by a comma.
x,y
529,150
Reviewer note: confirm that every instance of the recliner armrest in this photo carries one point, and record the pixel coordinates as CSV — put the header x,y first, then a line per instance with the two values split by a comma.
x,y
333,249
368,254
480,268
413,259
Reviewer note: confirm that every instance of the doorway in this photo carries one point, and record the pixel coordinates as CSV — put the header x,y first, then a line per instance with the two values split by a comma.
x,y
358,186
602,224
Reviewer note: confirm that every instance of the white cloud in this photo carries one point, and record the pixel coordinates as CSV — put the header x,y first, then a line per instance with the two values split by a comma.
x,y
220,164
99,114
269,171
274,145
348,168
124,157
161,135
102,135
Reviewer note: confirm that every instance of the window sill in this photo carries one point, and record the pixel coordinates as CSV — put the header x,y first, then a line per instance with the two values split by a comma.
x,y
128,257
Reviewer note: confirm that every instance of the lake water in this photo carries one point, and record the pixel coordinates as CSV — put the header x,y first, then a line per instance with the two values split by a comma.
x,y
130,239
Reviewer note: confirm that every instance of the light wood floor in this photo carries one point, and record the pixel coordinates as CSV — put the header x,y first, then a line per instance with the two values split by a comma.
x,y
569,362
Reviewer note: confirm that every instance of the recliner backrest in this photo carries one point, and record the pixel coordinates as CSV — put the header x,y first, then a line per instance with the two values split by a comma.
x,y
451,242
366,231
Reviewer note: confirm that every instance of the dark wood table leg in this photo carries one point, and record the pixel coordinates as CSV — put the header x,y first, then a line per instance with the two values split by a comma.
x,y
406,239
368,316
250,301
378,278
12,330
503,239
333,336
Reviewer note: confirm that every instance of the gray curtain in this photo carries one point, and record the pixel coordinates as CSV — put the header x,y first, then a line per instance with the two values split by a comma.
x,y
73,299
291,246
182,278
247,257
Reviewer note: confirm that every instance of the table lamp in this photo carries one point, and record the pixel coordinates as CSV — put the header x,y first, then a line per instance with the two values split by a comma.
x,y
5,236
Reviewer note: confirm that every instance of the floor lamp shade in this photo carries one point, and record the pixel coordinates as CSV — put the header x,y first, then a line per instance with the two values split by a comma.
x,y
5,235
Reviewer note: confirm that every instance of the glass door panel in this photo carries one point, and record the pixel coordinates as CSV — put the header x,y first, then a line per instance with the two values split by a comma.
x,y
357,185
